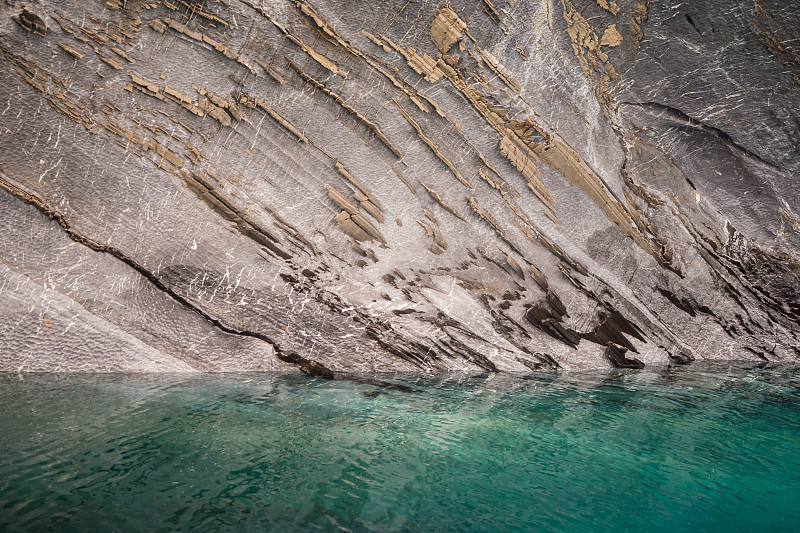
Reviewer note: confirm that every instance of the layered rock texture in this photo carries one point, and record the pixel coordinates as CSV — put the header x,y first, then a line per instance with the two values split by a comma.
x,y
343,186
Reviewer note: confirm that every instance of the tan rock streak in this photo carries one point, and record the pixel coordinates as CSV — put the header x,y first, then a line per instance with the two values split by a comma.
x,y
446,28
350,109
326,29
568,163
251,101
511,149
434,147
360,186
518,153
162,25
611,7
439,200
638,18
500,71
586,47
611,37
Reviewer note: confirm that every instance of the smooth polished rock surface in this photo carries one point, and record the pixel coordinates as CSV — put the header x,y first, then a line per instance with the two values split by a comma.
x,y
341,187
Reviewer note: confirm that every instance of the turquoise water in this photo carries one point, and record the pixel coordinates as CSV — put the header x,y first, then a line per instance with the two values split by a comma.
x,y
681,449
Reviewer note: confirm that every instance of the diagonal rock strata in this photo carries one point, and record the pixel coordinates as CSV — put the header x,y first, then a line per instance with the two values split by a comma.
x,y
477,186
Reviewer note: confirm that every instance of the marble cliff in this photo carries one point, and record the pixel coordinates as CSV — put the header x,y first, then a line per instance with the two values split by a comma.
x,y
343,186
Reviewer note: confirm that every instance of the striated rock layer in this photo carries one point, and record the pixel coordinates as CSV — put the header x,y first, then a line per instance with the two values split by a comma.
x,y
343,186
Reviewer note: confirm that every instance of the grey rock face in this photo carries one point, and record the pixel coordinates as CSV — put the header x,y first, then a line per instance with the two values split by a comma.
x,y
342,186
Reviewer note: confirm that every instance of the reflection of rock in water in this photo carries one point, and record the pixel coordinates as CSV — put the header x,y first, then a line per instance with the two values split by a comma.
x,y
247,187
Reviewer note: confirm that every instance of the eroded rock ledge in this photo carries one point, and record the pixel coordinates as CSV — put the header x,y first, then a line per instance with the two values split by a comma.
x,y
342,187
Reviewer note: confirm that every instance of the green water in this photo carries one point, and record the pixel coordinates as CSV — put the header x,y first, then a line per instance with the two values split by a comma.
x,y
680,449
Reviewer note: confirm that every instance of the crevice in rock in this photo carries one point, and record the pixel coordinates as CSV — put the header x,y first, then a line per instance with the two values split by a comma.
x,y
306,365
684,119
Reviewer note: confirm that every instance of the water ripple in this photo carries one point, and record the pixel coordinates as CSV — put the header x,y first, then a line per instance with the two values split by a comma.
x,y
705,449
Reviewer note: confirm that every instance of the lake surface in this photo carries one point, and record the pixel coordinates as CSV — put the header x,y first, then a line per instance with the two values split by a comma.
x,y
678,449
